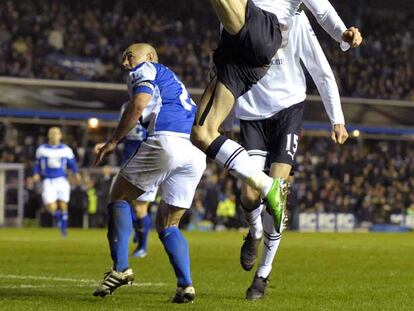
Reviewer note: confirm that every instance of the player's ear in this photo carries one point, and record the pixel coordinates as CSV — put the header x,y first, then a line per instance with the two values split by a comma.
x,y
152,57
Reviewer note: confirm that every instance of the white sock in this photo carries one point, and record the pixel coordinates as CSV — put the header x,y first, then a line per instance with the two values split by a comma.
x,y
271,244
254,220
236,159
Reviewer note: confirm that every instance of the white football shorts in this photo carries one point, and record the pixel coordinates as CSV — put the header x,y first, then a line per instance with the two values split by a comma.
x,y
169,162
55,189
148,196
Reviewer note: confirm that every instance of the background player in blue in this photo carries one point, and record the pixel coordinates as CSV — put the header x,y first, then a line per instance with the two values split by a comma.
x,y
52,160
141,220
166,159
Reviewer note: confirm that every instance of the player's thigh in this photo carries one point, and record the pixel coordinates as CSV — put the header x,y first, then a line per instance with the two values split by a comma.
x,y
148,196
147,168
215,105
140,208
284,139
231,13
168,216
63,190
122,189
49,193
179,187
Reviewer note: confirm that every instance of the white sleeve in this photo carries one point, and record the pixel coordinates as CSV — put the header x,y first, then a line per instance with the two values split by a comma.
x,y
141,78
318,66
69,153
329,19
38,152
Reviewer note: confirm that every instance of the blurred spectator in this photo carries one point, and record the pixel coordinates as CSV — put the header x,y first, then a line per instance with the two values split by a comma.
x,y
82,40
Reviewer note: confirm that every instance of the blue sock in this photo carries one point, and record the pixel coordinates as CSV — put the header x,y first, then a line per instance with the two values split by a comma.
x,y
64,223
58,218
142,227
177,249
119,231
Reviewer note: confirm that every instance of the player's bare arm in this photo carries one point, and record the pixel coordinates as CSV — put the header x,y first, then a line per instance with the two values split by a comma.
x,y
128,121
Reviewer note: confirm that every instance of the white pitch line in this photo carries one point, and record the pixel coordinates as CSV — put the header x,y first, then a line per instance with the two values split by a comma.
x,y
90,282
43,286
45,278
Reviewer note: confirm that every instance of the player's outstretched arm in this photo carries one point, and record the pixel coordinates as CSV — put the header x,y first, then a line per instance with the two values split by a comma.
x,y
330,21
128,121
315,61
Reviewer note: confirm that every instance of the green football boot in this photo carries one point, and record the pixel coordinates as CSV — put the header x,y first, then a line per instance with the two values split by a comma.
x,y
276,202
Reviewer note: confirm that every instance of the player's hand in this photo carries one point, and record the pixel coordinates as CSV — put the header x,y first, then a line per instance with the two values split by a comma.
x,y
339,134
352,36
36,178
103,150
78,179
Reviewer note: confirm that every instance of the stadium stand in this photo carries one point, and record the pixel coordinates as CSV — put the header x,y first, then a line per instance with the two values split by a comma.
x,y
371,179
71,40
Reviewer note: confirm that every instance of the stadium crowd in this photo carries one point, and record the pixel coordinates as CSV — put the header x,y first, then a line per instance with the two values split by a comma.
x,y
82,40
368,178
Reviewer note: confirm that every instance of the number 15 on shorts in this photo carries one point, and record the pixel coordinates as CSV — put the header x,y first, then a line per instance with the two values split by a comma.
x,y
292,144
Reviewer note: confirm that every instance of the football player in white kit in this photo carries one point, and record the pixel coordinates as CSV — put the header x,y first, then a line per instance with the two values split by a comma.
x,y
166,159
52,161
253,31
270,123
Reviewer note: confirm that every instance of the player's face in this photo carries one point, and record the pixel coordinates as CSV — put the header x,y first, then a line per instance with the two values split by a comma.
x,y
54,136
130,59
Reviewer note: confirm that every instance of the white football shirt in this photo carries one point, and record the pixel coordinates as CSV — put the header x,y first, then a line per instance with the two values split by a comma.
x,y
284,85
323,11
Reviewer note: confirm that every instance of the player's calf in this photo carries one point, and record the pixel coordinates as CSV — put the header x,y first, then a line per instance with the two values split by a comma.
x,y
168,218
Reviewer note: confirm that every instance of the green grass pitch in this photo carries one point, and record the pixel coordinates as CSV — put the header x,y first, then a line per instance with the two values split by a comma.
x,y
41,271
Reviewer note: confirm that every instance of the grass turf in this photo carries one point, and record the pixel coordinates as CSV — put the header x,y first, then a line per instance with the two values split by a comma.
x,y
41,271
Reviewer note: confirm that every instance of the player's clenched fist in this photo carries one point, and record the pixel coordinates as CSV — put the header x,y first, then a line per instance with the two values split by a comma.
x,y
339,134
352,36
102,150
